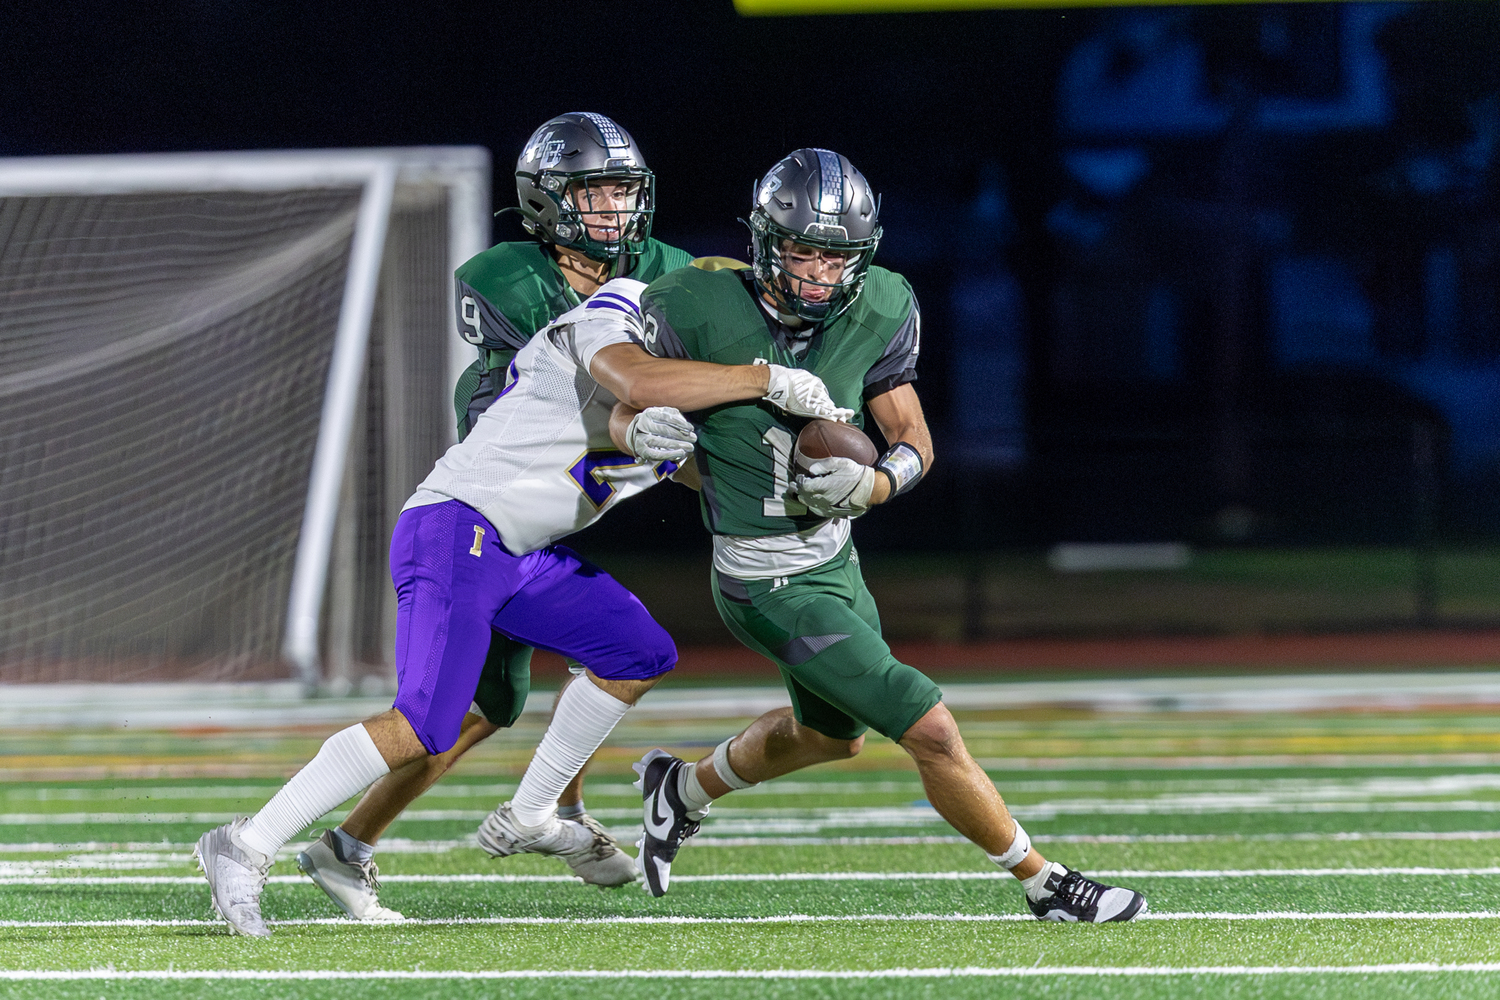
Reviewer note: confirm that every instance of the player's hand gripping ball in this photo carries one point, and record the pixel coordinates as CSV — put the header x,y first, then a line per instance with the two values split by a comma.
x,y
835,463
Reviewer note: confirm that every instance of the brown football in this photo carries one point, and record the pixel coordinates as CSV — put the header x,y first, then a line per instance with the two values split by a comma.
x,y
829,439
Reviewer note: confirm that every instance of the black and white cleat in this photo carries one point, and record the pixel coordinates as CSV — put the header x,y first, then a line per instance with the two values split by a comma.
x,y
1073,898
665,816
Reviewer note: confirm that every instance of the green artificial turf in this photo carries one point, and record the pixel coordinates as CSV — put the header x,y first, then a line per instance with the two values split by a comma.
x,y
1199,834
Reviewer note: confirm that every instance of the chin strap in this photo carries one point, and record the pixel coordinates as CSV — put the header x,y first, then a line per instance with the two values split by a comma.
x,y
902,465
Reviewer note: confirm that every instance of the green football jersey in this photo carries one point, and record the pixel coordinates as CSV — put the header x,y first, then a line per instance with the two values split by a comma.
x,y
744,450
509,292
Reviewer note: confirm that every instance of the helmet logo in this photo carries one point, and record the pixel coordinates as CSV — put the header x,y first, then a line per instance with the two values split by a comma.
x,y
768,187
547,148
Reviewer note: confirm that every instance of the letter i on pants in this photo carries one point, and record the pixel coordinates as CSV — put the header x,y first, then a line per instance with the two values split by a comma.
x,y
455,580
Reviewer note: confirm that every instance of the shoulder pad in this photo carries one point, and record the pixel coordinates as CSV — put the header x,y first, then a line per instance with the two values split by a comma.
x,y
620,294
885,299
720,264
502,262
688,296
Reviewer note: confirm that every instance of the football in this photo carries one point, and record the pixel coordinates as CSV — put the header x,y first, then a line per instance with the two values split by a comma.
x,y
830,439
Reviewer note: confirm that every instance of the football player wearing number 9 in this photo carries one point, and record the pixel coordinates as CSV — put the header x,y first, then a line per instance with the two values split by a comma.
x,y
474,551
587,197
786,576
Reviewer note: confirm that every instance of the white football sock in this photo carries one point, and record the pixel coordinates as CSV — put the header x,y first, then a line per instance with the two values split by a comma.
x,y
1036,885
351,848
692,793
571,812
691,790
348,763
584,716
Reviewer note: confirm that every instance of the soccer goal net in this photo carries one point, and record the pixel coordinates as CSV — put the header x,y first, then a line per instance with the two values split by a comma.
x,y
220,377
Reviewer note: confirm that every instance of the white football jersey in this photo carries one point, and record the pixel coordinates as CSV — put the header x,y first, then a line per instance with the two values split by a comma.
x,y
539,463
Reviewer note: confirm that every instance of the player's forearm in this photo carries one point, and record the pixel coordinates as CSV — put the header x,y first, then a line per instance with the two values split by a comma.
x,y
640,380
899,416
695,385
687,474
619,423
920,438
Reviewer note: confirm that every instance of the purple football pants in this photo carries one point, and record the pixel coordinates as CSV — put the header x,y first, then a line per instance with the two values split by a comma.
x,y
455,580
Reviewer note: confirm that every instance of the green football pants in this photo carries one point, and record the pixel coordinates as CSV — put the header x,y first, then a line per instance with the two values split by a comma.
x,y
822,630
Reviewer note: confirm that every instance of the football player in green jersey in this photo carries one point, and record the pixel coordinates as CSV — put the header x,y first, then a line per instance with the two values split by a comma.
x,y
587,197
786,576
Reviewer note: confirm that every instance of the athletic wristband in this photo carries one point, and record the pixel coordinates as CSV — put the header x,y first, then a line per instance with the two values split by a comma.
x,y
902,465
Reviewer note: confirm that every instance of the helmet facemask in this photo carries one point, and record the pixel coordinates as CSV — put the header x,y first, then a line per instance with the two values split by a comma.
x,y
563,181
588,200
814,199
786,289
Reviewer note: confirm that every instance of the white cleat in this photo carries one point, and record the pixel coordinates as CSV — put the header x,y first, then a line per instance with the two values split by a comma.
x,y
353,885
236,875
603,864
501,835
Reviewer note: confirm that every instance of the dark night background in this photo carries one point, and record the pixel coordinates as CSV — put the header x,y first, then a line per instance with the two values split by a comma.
x,y
1227,274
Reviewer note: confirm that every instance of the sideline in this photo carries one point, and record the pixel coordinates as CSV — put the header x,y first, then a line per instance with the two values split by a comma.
x,y
280,704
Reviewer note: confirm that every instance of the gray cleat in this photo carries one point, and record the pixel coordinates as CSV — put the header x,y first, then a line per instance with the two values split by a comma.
x,y
236,875
603,864
350,884
501,835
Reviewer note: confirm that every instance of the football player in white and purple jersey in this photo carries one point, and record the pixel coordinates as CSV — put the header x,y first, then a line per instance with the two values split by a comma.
x,y
475,550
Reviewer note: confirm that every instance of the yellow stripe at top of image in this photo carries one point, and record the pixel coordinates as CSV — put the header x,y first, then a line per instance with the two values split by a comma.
x,y
775,8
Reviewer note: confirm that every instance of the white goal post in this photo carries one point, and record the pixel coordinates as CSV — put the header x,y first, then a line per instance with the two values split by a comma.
x,y
114,267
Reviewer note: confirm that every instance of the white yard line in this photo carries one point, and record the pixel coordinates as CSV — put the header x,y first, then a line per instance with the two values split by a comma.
x,y
402,845
949,876
1233,762
794,918
790,821
1015,972
1375,785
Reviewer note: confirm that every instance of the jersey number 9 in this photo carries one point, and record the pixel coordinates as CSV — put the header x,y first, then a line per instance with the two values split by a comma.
x,y
469,313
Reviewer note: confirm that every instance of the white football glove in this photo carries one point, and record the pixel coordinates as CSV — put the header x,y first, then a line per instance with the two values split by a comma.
x,y
803,394
660,434
835,487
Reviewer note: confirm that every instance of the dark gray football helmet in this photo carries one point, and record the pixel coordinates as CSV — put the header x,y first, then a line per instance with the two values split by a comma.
x,y
814,198
555,175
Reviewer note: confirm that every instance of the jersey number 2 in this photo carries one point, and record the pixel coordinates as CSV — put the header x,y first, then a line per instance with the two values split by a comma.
x,y
781,443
